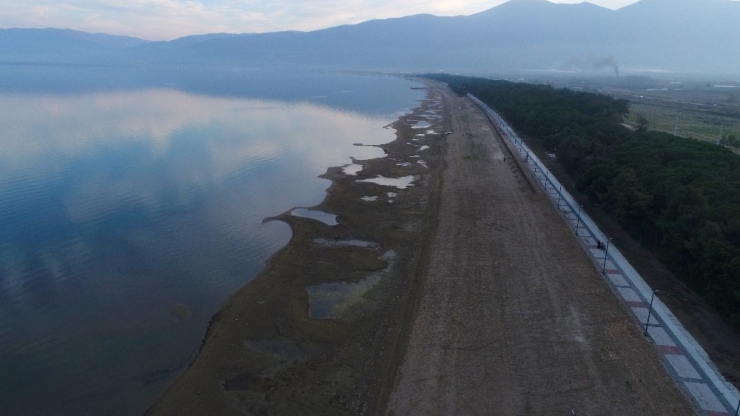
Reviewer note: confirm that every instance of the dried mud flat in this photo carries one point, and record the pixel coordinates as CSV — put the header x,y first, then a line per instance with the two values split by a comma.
x,y
315,332
514,319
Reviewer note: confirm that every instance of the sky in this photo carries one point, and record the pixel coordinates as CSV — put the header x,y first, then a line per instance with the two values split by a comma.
x,y
170,19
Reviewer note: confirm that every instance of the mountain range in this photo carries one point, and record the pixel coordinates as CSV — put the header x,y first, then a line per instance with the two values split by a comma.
x,y
691,36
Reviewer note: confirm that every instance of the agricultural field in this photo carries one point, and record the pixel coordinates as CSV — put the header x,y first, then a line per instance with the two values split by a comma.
x,y
695,109
683,120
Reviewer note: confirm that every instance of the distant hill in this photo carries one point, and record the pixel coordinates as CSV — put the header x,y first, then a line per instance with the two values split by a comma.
x,y
63,46
661,35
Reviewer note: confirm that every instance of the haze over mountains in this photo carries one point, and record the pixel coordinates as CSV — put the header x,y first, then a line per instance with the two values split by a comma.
x,y
699,36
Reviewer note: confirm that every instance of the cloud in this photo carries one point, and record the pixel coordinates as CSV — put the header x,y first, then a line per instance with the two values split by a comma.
x,y
169,19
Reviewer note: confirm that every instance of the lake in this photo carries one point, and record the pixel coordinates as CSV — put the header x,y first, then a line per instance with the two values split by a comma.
x,y
132,204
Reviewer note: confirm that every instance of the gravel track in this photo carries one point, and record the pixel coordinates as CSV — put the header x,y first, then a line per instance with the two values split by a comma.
x,y
514,318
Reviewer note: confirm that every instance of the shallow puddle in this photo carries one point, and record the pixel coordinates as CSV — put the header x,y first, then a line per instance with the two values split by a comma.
x,y
345,243
325,217
351,169
369,198
400,183
421,125
332,300
422,148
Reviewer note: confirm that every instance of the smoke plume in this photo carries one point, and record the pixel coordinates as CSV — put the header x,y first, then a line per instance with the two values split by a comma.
x,y
592,62
605,62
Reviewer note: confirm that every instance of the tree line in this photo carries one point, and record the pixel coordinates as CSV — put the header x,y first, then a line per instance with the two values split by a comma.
x,y
680,197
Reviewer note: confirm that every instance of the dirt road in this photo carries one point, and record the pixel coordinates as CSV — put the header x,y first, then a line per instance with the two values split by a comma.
x,y
514,319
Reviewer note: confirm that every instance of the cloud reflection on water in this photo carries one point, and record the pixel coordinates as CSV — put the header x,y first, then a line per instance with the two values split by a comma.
x,y
115,206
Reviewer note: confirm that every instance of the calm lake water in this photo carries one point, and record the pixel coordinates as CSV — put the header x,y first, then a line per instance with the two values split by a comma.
x,y
131,207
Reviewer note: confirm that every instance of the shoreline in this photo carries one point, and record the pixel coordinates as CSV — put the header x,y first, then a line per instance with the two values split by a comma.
x,y
263,352
370,315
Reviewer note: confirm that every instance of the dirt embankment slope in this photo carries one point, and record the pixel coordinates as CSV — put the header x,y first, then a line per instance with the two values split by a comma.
x,y
514,318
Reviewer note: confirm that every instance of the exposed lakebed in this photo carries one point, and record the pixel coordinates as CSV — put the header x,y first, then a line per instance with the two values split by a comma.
x,y
330,300
317,330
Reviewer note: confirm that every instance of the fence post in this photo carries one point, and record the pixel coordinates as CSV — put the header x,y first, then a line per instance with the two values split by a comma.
x,y
606,254
650,311
560,195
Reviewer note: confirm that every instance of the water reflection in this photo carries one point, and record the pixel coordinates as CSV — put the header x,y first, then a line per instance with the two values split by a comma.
x,y
335,300
400,183
321,216
118,208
